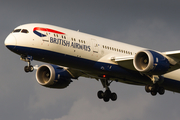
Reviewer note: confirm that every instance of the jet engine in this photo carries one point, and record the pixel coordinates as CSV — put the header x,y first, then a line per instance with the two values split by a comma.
x,y
53,76
151,63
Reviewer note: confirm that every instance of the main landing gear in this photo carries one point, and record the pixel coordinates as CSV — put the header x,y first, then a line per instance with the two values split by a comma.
x,y
107,95
155,88
27,59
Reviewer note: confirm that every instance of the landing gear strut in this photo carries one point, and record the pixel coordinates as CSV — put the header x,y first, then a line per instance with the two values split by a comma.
x,y
27,59
107,95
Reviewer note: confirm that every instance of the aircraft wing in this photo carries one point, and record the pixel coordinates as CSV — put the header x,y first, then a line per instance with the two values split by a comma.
x,y
172,56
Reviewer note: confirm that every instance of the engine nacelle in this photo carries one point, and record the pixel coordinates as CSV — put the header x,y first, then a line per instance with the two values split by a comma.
x,y
151,63
53,76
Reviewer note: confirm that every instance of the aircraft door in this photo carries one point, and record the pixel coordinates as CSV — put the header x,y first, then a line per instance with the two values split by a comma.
x,y
95,46
45,36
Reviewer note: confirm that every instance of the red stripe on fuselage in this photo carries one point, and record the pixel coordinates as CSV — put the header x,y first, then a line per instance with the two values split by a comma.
x,y
47,30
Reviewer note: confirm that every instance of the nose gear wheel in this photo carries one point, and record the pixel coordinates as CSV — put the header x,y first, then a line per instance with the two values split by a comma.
x,y
27,59
28,68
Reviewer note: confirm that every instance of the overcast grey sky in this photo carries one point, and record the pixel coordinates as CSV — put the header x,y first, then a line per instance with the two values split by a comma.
x,y
148,23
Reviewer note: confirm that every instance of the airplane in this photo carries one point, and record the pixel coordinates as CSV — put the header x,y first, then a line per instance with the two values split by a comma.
x,y
72,54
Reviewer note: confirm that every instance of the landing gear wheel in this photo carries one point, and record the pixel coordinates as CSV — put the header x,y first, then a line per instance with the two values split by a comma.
x,y
26,69
106,99
147,88
154,89
107,93
113,96
31,68
161,91
100,94
153,93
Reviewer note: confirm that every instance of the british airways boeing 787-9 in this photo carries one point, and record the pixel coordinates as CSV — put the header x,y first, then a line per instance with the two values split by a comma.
x,y
72,54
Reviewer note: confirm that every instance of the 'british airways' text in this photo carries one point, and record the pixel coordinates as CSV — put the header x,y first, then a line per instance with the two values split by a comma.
x,y
70,44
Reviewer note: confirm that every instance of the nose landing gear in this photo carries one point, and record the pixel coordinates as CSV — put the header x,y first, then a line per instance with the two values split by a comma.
x,y
28,68
27,59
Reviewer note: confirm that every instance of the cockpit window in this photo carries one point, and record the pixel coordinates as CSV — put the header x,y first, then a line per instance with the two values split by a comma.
x,y
22,31
16,30
25,31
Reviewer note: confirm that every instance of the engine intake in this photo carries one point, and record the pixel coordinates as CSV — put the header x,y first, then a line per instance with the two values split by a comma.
x,y
53,76
151,62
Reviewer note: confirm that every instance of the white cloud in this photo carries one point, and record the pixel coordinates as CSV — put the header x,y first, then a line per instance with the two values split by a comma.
x,y
85,109
43,97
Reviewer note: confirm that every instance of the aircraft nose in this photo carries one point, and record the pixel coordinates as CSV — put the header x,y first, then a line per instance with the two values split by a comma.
x,y
10,42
